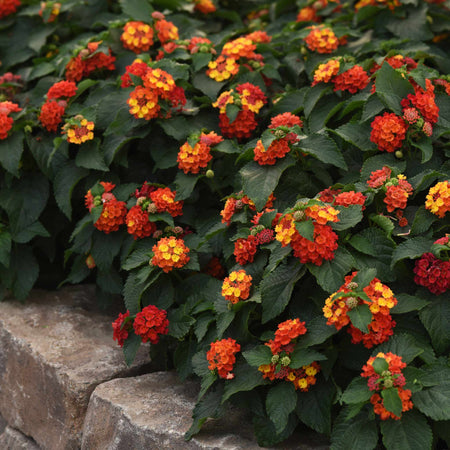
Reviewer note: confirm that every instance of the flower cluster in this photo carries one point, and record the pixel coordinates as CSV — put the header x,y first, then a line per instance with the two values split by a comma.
x,y
138,223
204,6
391,4
388,132
113,211
8,7
10,84
6,122
279,147
384,371
381,301
281,347
164,201
150,323
137,36
352,80
236,286
50,11
221,357
87,61
78,130
245,249
195,156
438,199
121,329
170,253
307,14
249,99
322,39
156,96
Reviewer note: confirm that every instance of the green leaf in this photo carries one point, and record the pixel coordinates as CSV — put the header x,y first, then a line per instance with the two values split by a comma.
x,y
422,221
185,184
137,9
403,345
140,256
364,277
227,146
176,127
258,356
130,347
378,161
90,156
392,87
424,144
25,268
5,247
372,107
330,275
303,356
277,287
25,235
356,134
280,402
380,365
357,433
414,26
259,182
324,149
348,217
179,323
383,222
232,111
207,85
433,402
318,332
200,60
245,379
11,150
436,319
407,303
412,248
105,248
306,229
314,406
357,391
360,317
66,179
313,95
392,401
412,432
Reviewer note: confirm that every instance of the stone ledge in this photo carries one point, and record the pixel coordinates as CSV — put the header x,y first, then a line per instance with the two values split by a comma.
x,y
154,411
12,439
54,350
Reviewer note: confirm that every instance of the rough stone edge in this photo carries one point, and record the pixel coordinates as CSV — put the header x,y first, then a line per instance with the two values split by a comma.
x,y
12,439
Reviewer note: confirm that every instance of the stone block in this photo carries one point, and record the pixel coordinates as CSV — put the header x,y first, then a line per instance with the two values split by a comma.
x,y
154,411
54,350
12,439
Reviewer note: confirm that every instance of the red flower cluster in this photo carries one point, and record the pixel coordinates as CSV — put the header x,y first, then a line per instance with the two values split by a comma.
x,y
51,114
6,122
138,224
424,101
352,80
215,268
389,378
150,323
307,14
381,301
164,200
388,132
10,84
236,286
245,249
432,273
221,357
192,159
170,253
87,61
62,90
379,177
250,100
8,7
397,194
120,331
287,331
322,40
438,199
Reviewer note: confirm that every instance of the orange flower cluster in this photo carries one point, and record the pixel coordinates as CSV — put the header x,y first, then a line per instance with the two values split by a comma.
x,y
137,36
138,68
164,200
62,89
8,7
250,99
157,94
200,44
379,177
285,230
150,323
165,30
170,253
350,198
390,378
236,286
49,11
221,357
382,300
438,199
259,37
120,331
138,223
432,273
352,80
87,61
391,4
78,130
326,72
388,132
245,249
322,214
113,211
6,122
397,194
192,159
223,68
204,6
322,40
287,332
307,14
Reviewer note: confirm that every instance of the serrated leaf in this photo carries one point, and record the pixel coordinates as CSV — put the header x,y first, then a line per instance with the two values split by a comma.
x,y
304,356
90,156
392,401
207,85
245,379
277,287
200,60
5,247
176,127
364,277
313,95
422,221
433,402
407,303
403,345
232,111
356,134
424,144
412,432
306,229
348,217
185,184
357,391
130,347
11,150
378,161
360,317
258,356
324,149
140,256
436,319
317,332
280,402
179,323
25,269
384,223
412,248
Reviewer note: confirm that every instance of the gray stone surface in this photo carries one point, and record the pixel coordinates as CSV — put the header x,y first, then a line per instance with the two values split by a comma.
x,y
154,411
54,350
12,439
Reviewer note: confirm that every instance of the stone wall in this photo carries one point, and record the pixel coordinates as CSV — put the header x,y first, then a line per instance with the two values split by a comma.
x,y
64,385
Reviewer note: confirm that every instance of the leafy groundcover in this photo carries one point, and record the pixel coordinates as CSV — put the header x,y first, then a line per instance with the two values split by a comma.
x,y
265,183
